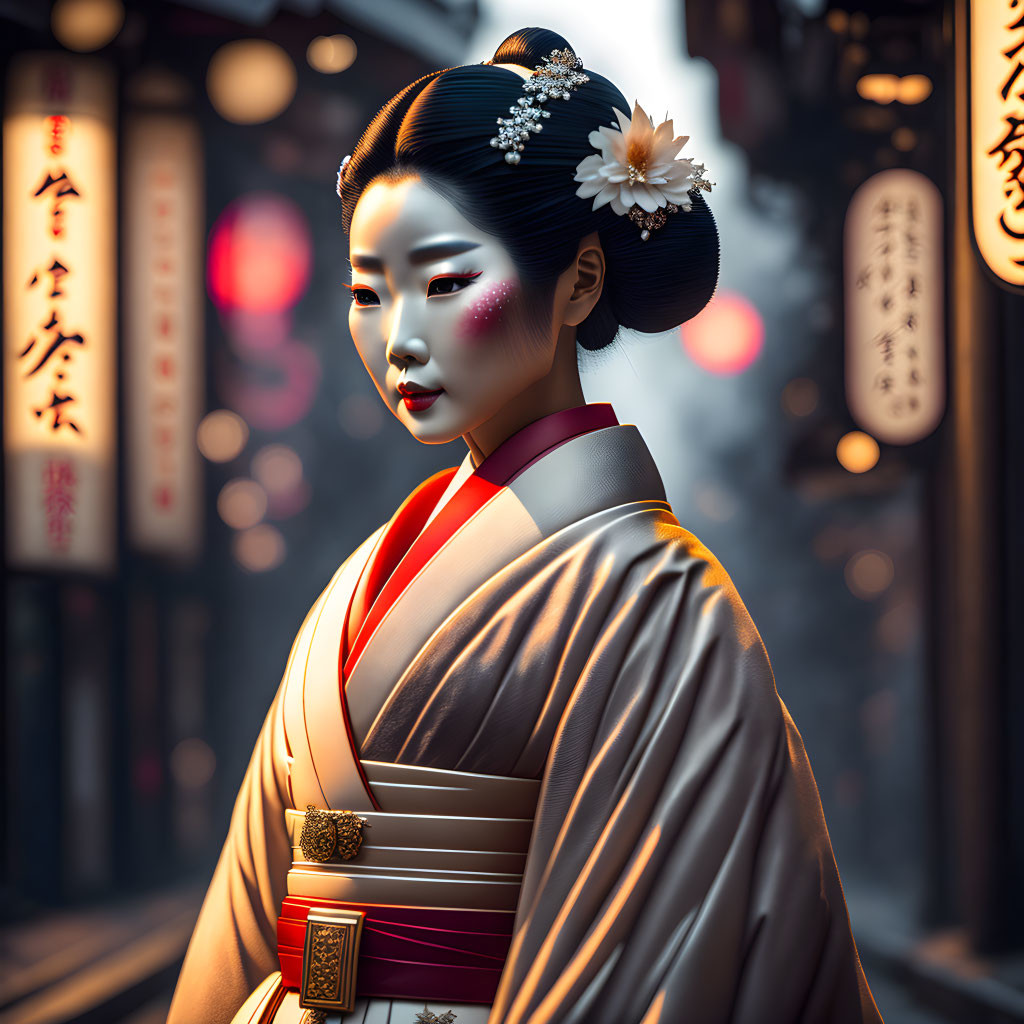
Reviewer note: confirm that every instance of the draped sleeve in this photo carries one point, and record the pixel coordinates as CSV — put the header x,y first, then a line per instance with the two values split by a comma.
x,y
234,945
680,867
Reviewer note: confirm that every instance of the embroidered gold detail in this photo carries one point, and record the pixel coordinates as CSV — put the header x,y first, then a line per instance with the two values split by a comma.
x,y
314,1017
329,959
326,833
426,1017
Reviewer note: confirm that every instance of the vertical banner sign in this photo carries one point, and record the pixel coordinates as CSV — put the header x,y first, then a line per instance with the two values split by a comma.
x,y
892,267
997,135
163,219
60,394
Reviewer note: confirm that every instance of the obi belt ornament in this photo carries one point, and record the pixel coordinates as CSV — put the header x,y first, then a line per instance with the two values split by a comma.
x,y
329,833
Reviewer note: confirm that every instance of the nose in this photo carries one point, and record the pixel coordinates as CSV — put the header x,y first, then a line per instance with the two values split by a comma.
x,y
405,343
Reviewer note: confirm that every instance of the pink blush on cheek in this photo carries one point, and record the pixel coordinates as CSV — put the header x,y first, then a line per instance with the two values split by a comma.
x,y
484,315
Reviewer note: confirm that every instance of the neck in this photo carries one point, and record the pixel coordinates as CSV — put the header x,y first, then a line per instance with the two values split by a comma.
x,y
559,389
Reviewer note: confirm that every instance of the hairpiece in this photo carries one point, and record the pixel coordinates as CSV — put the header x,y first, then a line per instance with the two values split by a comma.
x,y
555,77
341,171
637,171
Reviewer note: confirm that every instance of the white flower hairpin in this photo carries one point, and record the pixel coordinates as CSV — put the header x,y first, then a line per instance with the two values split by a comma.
x,y
637,172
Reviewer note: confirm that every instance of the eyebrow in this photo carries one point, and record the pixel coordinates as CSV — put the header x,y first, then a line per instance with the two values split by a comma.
x,y
421,254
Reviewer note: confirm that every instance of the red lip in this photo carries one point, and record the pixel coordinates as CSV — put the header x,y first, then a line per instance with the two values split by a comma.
x,y
417,401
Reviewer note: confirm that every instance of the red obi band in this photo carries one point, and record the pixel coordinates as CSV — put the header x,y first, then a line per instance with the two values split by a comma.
x,y
428,953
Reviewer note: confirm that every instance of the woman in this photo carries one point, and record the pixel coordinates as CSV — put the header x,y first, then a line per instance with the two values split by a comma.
x,y
527,762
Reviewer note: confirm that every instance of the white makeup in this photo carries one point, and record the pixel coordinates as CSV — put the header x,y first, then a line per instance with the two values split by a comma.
x,y
438,306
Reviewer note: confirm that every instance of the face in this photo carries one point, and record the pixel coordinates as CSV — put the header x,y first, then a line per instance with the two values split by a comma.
x,y
439,315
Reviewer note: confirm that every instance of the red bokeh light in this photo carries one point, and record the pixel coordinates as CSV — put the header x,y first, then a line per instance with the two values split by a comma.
x,y
726,337
259,254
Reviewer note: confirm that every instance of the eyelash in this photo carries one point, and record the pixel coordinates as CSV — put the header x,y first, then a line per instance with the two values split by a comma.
x,y
469,276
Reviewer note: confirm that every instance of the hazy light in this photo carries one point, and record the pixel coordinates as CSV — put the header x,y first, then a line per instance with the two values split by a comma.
x,y
259,254
278,468
361,416
714,502
726,337
192,764
331,54
85,25
838,21
250,80
868,573
897,628
242,503
830,543
904,139
800,396
221,435
259,549
881,88
857,452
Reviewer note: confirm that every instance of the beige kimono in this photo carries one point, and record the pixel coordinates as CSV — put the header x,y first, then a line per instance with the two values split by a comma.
x,y
571,632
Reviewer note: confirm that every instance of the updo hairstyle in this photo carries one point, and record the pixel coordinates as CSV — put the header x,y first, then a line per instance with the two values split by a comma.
x,y
440,127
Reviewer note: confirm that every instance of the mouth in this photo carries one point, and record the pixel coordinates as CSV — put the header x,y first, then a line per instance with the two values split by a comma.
x,y
416,397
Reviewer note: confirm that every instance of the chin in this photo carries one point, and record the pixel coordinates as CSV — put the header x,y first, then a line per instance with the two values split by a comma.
x,y
429,433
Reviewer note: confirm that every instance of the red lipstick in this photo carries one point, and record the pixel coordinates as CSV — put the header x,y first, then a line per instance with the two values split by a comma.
x,y
416,397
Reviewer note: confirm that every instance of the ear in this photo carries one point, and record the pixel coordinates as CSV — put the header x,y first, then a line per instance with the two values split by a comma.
x,y
587,276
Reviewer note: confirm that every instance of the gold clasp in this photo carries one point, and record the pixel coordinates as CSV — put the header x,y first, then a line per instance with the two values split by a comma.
x,y
329,959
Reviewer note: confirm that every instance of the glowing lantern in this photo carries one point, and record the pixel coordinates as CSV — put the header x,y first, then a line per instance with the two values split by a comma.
x,y
726,337
60,304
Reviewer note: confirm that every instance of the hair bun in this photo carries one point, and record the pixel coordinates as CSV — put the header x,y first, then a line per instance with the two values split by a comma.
x,y
529,46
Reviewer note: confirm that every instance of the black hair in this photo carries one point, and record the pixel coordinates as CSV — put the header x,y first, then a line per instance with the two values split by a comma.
x,y
440,127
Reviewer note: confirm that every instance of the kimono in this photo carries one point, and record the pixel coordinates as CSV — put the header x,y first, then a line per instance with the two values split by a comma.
x,y
582,798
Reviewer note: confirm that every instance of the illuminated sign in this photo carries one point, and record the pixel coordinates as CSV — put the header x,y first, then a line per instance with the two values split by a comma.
x,y
59,346
163,223
893,242
997,135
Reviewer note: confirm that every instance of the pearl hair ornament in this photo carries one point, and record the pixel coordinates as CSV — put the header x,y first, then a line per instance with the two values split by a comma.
x,y
556,77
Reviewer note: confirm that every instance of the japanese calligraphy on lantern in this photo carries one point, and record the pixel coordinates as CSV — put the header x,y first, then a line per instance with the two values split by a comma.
x,y
59,342
163,222
895,371
997,135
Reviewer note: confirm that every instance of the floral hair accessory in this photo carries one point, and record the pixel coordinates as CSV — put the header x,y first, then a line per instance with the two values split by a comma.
x,y
341,172
556,77
637,171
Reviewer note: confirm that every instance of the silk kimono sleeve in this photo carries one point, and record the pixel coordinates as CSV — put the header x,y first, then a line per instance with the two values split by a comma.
x,y
234,944
680,867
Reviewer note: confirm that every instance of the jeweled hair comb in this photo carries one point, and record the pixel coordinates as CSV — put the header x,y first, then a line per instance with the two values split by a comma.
x,y
556,77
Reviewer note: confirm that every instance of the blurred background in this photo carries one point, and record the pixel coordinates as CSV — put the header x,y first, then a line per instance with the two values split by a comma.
x,y
191,446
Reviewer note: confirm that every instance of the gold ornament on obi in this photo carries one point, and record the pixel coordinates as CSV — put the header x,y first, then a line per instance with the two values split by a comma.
x,y
329,833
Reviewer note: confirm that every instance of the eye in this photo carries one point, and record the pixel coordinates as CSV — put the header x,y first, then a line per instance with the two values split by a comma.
x,y
365,297
448,284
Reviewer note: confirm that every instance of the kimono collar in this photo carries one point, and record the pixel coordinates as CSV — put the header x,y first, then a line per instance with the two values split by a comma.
x,y
536,439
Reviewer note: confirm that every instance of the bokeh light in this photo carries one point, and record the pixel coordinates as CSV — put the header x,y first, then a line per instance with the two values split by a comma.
x,y
868,573
259,254
260,548
250,81
885,89
857,452
800,396
85,25
242,503
278,468
726,336
331,54
192,763
361,416
221,435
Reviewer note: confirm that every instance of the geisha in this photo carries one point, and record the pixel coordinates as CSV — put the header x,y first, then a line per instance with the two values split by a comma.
x,y
527,762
